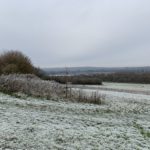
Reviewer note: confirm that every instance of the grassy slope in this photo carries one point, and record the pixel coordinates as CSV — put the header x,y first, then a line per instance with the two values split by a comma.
x,y
122,123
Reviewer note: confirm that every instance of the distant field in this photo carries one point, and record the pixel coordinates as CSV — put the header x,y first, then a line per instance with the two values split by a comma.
x,y
118,87
127,86
122,122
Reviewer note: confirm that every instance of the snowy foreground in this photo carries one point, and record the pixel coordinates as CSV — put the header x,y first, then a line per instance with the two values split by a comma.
x,y
121,123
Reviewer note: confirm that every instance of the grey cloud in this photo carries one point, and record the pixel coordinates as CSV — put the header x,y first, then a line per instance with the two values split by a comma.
x,y
71,32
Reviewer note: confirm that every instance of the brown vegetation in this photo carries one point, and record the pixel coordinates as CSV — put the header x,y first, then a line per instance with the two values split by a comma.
x,y
15,62
82,79
125,77
96,79
91,98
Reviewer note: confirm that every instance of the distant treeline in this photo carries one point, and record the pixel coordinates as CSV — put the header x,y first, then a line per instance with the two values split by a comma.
x,y
81,79
125,77
97,79
95,70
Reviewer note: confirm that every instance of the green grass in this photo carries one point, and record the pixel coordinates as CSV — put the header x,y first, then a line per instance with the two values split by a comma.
x,y
143,132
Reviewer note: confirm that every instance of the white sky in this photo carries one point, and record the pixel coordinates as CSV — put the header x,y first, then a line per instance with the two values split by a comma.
x,y
58,33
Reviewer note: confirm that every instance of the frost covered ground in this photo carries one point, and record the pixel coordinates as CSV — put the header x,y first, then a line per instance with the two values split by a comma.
x,y
119,87
122,122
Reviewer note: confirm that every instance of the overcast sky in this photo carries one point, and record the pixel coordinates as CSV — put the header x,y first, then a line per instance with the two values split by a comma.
x,y
58,33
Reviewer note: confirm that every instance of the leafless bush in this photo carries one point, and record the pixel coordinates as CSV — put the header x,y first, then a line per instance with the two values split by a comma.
x,y
83,96
33,86
30,85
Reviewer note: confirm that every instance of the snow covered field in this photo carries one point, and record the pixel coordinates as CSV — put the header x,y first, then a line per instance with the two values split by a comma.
x,y
119,87
122,122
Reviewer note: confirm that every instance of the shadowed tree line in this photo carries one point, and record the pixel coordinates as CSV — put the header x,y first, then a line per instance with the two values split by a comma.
x,y
82,79
98,78
125,77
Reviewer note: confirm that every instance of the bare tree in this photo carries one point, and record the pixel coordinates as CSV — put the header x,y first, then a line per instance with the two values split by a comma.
x,y
66,80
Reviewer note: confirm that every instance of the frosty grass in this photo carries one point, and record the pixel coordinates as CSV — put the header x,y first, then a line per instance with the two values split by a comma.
x,y
121,123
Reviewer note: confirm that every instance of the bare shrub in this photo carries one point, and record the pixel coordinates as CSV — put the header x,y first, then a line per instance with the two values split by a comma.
x,y
31,85
83,96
